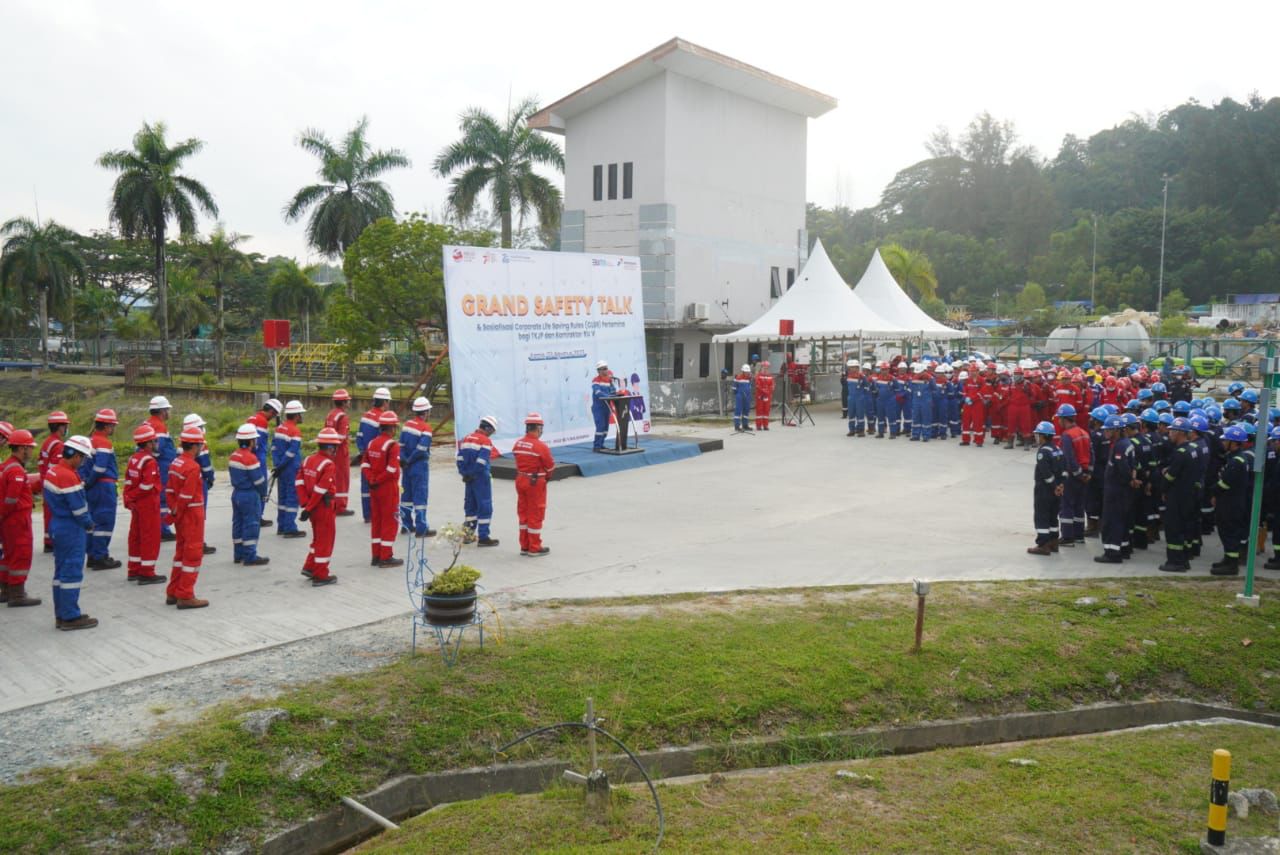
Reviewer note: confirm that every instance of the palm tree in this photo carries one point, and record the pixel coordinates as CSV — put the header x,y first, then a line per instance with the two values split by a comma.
x,y
41,263
502,157
217,259
911,268
292,292
351,196
148,193
188,305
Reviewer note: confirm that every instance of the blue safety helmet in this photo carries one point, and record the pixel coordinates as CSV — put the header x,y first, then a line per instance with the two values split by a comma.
x,y
1250,429
1111,409
1129,420
1235,433
1099,414
1159,389
1196,411
1112,423
1150,416
1045,429
1160,406
1273,414
1274,433
1066,411
1135,404
1249,395
1166,419
1207,400
1181,408
1183,425
1235,389
1087,365
1199,424
1214,412
1230,404
1144,394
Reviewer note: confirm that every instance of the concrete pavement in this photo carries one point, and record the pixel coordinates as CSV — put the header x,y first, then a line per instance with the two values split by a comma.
x,y
790,507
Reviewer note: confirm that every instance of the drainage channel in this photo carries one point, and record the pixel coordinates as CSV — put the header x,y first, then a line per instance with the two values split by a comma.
x,y
410,795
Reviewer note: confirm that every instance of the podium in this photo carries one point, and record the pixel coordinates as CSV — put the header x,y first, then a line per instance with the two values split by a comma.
x,y
621,405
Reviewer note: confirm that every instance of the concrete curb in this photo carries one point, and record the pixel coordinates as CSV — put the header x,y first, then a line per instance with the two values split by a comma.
x,y
410,795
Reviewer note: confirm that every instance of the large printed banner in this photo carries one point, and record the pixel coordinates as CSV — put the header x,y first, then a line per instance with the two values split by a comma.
x,y
526,330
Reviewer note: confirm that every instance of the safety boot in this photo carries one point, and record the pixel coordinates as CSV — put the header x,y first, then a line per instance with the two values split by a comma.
x,y
193,603
17,596
82,622
154,579
327,580
396,562
1039,549
1273,563
1174,567
209,550
4,592
260,561
1226,567
535,553
488,541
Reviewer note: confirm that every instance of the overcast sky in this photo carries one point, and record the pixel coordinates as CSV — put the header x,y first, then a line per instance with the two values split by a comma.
x,y
79,77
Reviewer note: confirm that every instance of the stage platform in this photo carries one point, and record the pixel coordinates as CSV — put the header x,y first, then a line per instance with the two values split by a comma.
x,y
575,460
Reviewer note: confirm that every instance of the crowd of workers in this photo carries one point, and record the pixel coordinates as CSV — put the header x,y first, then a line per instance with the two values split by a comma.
x,y
169,474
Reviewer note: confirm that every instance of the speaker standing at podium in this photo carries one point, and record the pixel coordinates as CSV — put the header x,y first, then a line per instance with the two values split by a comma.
x,y
601,388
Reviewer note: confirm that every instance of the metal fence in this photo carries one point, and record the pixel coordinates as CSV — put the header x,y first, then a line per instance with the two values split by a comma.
x,y
1210,357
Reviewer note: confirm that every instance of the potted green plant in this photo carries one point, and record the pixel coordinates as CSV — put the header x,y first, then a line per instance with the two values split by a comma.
x,y
449,598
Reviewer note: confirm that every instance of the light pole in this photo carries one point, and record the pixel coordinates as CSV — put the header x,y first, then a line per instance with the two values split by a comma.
x,y
1164,217
1093,271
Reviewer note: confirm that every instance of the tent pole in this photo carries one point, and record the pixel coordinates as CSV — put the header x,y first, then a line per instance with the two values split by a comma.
x,y
715,362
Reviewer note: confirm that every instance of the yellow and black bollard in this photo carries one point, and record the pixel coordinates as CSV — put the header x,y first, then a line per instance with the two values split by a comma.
x,y
1218,797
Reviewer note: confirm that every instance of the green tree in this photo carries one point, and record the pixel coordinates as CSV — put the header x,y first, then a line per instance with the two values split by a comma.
x,y
395,271
1175,304
42,264
96,310
293,293
148,193
934,308
137,326
1031,299
350,195
188,305
911,269
503,158
217,260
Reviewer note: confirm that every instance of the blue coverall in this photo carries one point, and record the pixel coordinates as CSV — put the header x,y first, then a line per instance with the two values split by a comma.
x,y
166,453
473,465
921,408
286,456
69,521
601,388
369,428
99,475
415,454
248,497
742,402
884,406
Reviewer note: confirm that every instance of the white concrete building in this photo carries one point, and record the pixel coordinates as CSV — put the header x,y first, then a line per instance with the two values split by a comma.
x,y
695,162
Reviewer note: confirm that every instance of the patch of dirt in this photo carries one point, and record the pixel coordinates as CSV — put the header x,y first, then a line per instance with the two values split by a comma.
x,y
43,393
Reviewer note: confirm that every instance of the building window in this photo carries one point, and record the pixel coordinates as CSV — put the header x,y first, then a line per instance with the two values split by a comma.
x,y
728,357
597,182
775,287
613,181
704,359
677,361
626,181
791,277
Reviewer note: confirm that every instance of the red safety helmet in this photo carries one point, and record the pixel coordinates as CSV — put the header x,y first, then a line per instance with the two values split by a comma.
x,y
191,433
5,430
388,417
533,419
107,416
342,395
22,437
143,433
329,436
57,417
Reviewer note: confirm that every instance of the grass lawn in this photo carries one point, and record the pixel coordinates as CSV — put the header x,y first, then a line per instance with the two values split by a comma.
x,y
667,671
1133,791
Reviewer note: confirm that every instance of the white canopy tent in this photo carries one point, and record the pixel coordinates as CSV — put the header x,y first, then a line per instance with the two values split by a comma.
x,y
880,292
822,307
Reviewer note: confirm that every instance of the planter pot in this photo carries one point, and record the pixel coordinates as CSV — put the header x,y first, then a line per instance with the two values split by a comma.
x,y
449,609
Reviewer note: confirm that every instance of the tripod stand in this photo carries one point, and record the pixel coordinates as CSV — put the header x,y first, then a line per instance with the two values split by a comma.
x,y
798,411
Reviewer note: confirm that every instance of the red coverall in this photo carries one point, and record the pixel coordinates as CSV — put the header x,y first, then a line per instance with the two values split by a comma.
x,y
142,498
1018,413
973,412
533,466
185,496
381,468
764,399
50,454
316,485
337,419
15,522
998,408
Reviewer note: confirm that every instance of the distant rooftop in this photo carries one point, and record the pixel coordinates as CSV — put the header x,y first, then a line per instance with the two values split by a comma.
x,y
689,60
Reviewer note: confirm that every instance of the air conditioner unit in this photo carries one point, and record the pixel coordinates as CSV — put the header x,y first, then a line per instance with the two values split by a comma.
x,y
697,312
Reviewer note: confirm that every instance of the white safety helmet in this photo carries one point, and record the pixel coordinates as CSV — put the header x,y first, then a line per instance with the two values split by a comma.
x,y
491,421
852,363
80,444
421,405
294,408
601,364
246,431
1001,368
193,419
746,367
274,403
159,402
867,365
963,375
382,393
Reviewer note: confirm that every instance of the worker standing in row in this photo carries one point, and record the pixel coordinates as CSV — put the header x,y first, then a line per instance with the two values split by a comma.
x,y
261,421
474,455
742,400
415,457
16,488
207,475
380,469
99,474
534,465
317,484
142,493
1050,479
51,456
339,423
248,497
70,524
1077,455
166,453
186,503
286,456
764,396
370,428
1181,488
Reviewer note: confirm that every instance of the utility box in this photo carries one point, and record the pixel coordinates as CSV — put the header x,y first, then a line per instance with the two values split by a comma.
x,y
275,335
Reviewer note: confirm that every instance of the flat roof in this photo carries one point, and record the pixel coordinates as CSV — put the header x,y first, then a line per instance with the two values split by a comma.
x,y
689,60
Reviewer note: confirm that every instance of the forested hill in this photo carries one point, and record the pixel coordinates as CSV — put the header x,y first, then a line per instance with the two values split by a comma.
x,y
992,215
